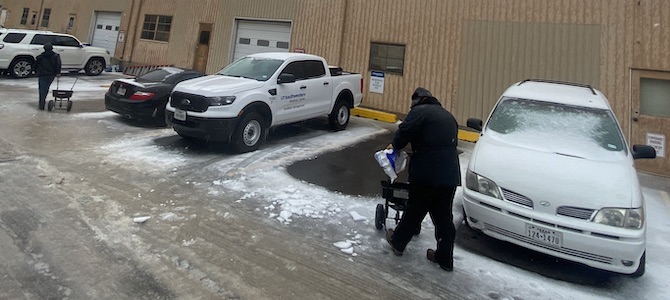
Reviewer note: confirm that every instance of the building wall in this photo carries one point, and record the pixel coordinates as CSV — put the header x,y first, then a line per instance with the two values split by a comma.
x,y
84,11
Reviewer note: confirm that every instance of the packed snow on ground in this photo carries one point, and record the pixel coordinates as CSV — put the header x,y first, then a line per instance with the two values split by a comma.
x,y
262,176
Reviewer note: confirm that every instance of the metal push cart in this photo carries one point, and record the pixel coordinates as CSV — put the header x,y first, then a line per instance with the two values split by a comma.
x,y
61,97
396,195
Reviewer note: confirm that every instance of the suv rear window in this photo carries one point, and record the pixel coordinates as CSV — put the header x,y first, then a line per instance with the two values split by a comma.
x,y
14,37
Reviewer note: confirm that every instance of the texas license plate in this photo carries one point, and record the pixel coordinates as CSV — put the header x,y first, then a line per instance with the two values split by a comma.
x,y
121,91
180,114
545,236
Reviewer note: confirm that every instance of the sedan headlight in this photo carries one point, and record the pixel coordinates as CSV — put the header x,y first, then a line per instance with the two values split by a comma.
x,y
630,218
219,101
482,185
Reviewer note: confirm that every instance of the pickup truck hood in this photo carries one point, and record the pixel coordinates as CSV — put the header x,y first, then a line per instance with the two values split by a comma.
x,y
558,179
218,85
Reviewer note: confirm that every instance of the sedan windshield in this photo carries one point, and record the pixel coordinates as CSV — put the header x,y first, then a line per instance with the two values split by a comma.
x,y
568,130
260,69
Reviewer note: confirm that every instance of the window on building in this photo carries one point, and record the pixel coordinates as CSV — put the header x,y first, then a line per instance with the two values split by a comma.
x,y
24,16
654,95
33,19
45,17
156,28
282,45
245,41
387,57
70,22
263,43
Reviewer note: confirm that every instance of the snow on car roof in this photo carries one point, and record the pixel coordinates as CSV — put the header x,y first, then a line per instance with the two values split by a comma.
x,y
284,55
559,93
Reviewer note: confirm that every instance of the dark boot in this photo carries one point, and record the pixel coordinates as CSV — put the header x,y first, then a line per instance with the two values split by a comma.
x,y
389,239
430,255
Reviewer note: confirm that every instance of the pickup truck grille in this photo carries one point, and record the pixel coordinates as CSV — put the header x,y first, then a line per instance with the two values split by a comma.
x,y
189,102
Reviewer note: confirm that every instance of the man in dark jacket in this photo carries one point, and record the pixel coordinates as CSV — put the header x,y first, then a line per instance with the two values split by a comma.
x,y
434,174
47,67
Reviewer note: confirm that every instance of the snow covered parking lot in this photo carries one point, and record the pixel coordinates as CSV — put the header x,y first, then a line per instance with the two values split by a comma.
x,y
232,226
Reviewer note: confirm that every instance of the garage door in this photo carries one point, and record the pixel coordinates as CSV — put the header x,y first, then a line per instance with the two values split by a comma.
x,y
261,36
106,30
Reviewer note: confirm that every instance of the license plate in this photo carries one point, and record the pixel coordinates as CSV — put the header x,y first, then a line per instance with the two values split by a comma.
x,y
180,114
121,91
545,236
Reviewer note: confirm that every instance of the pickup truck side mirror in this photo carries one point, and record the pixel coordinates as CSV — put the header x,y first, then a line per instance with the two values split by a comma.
x,y
285,78
475,123
643,151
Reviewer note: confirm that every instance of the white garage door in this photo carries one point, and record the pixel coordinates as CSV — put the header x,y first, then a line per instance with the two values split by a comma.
x,y
106,30
261,36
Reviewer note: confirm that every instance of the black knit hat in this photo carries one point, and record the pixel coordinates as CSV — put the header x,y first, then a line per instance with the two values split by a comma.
x,y
48,47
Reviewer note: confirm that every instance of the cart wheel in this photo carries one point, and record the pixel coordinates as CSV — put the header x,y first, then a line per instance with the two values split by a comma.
x,y
69,105
50,106
380,217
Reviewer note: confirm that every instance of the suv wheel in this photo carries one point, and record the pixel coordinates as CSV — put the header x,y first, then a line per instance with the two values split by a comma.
x,y
21,67
94,66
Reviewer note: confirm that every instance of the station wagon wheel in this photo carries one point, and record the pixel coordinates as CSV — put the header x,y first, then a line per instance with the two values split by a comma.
x,y
94,66
250,133
21,67
339,117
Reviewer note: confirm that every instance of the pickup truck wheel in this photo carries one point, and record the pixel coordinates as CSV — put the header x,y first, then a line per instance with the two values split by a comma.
x,y
94,66
339,117
21,67
250,133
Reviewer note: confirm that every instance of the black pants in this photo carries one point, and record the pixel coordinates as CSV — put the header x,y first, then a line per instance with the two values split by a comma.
x,y
44,82
437,201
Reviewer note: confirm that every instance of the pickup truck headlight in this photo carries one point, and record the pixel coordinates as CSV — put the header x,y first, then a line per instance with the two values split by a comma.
x,y
629,218
219,101
481,184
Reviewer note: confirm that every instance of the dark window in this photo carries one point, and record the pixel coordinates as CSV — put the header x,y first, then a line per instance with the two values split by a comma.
x,y
245,41
305,69
108,27
41,39
156,28
116,28
14,37
24,16
33,19
263,43
387,57
99,26
314,69
295,68
204,38
45,17
65,41
282,45
70,23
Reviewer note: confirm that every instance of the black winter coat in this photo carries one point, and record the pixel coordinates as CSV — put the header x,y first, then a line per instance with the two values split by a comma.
x,y
48,64
433,133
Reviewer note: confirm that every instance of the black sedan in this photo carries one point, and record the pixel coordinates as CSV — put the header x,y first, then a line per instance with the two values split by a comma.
x,y
144,97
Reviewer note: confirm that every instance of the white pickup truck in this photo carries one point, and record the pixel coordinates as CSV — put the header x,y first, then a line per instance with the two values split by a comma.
x,y
241,102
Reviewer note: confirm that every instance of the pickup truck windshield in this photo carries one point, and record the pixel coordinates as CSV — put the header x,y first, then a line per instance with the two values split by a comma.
x,y
260,69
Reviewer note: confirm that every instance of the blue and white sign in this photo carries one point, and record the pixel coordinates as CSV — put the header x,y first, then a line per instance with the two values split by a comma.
x,y
377,82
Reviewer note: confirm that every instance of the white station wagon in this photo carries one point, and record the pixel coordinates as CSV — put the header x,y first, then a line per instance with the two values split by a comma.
x,y
552,172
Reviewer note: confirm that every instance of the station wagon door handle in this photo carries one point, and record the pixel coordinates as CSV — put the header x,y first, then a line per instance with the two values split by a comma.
x,y
326,83
302,87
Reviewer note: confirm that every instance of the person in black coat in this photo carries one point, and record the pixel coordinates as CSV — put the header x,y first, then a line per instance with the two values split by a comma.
x,y
47,67
434,174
